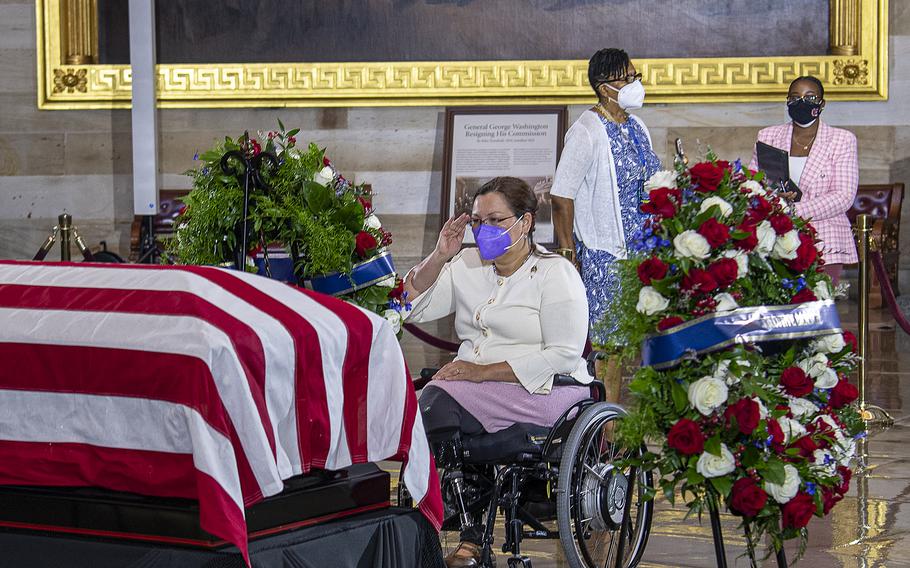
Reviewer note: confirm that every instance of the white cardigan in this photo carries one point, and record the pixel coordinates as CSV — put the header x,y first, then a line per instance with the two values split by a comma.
x,y
587,174
536,320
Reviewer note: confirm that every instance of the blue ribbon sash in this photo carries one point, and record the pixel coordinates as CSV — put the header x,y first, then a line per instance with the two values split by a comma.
x,y
363,275
742,325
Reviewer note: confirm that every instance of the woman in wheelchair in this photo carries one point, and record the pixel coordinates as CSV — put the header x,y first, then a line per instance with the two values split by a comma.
x,y
521,315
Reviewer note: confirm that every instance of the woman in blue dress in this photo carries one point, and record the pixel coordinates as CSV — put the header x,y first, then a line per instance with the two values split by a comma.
x,y
599,187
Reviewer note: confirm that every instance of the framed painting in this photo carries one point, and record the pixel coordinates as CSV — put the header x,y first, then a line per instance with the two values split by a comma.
x,y
482,143
277,53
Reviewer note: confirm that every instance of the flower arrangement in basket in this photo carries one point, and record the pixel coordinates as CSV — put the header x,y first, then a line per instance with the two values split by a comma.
x,y
310,227
743,391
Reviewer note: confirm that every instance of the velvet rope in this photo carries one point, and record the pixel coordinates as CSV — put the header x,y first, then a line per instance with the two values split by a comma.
x,y
430,339
888,292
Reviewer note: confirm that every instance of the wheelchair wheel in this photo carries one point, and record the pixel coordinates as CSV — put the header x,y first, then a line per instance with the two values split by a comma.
x,y
592,494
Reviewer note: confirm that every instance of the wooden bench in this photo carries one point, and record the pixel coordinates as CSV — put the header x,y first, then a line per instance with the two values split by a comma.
x,y
883,203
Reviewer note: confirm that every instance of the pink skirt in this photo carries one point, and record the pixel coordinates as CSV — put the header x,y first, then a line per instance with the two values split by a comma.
x,y
499,405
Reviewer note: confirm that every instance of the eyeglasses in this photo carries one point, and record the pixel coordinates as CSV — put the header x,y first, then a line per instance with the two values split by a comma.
x,y
497,221
631,78
811,99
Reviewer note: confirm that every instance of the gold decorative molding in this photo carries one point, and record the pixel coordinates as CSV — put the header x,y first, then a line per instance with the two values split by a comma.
x,y
844,27
861,76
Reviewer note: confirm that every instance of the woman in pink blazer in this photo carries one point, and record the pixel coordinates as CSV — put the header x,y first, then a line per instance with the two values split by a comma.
x,y
824,165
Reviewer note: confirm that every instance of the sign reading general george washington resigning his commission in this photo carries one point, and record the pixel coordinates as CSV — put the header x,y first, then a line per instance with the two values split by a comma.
x,y
483,143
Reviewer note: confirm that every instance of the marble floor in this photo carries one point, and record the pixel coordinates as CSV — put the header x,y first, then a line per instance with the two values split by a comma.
x,y
869,528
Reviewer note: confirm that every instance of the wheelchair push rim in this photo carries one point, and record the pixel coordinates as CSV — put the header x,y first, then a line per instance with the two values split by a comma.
x,y
592,495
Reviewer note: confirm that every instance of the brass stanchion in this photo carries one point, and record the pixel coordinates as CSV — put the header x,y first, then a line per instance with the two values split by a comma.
x,y
65,222
67,233
872,415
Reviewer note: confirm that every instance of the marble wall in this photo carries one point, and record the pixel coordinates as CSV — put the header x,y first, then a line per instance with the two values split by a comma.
x,y
80,161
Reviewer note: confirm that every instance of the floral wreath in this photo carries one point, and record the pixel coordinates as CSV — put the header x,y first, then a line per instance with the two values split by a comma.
x,y
321,224
769,429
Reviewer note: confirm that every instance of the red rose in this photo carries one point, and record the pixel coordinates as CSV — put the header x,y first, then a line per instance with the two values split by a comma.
x,y
758,212
652,269
806,253
796,382
715,233
806,446
842,394
797,512
364,242
699,280
804,295
707,175
398,291
829,500
747,498
776,432
326,161
668,322
747,415
686,437
845,475
781,223
366,204
748,242
724,271
850,340
662,202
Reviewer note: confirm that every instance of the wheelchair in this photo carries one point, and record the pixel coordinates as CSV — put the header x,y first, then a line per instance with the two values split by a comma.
x,y
533,474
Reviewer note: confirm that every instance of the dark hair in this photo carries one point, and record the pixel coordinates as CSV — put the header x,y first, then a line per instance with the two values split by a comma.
x,y
606,63
520,199
811,79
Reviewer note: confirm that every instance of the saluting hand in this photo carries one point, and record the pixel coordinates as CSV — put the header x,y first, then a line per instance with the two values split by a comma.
x,y
451,236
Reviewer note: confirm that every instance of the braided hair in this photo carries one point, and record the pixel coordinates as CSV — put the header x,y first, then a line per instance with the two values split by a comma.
x,y
606,63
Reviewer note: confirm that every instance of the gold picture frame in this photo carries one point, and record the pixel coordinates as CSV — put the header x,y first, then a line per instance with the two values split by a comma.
x,y
856,69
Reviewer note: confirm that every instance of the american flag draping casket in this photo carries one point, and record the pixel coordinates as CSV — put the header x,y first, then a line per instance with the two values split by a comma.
x,y
196,382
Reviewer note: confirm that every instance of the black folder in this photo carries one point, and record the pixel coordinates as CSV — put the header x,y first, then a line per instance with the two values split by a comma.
x,y
776,165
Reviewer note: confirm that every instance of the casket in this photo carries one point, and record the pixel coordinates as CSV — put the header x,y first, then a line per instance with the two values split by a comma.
x,y
211,390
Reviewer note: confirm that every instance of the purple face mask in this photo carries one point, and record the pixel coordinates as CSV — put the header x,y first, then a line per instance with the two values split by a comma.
x,y
493,241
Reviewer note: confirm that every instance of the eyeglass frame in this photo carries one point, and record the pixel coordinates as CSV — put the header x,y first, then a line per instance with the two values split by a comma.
x,y
811,99
629,79
496,221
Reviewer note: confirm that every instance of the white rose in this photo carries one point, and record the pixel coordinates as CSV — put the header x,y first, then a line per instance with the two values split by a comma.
x,y
817,367
663,178
766,238
787,491
725,302
710,465
650,301
791,428
754,187
824,461
822,291
372,222
785,246
831,343
394,319
324,176
742,261
722,370
846,448
689,244
707,394
725,208
801,407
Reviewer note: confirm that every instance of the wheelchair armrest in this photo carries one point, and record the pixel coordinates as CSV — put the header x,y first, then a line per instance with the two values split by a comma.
x,y
598,390
426,375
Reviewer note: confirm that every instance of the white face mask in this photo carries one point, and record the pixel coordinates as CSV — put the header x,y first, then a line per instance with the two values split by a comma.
x,y
631,96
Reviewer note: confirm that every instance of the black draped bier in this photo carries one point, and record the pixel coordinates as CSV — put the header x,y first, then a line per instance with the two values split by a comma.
x,y
336,519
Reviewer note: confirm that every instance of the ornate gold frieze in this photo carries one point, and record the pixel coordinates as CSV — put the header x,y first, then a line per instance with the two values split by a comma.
x,y
467,82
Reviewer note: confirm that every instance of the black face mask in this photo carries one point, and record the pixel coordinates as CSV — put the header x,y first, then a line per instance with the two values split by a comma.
x,y
804,113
